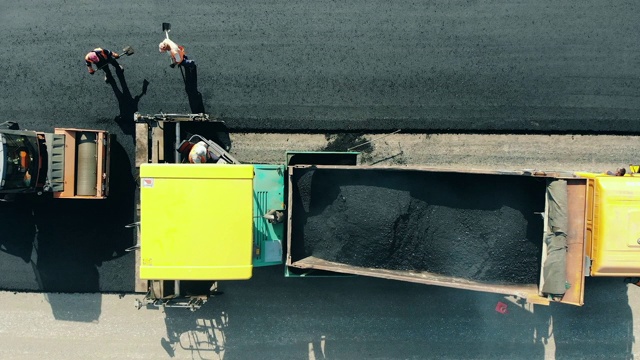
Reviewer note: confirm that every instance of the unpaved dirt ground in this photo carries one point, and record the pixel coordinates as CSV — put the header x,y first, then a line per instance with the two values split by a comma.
x,y
496,152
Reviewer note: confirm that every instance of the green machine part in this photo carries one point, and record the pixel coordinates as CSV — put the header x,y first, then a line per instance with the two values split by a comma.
x,y
268,196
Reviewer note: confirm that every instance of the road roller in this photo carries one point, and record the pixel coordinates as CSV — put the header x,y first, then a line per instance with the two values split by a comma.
x,y
70,163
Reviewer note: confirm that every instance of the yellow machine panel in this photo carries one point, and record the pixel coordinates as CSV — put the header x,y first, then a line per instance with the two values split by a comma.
x,y
196,221
616,226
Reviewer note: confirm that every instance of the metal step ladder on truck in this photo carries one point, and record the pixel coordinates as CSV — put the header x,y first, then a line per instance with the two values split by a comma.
x,y
70,163
534,235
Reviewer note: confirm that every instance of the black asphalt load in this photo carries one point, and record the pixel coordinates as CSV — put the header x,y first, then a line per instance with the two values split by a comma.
x,y
478,227
302,65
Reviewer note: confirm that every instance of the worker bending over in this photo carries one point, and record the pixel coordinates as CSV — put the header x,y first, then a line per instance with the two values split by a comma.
x,y
200,154
176,52
101,58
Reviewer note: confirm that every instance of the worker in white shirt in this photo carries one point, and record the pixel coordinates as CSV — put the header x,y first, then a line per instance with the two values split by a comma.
x,y
200,154
177,53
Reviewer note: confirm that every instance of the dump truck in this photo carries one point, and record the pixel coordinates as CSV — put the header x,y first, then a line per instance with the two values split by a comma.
x,y
70,163
531,234
543,232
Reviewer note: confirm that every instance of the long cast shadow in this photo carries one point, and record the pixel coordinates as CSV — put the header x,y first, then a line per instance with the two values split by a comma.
x,y
72,246
190,77
128,105
330,321
442,322
216,131
80,244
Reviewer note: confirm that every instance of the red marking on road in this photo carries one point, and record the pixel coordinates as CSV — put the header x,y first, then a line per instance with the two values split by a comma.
x,y
502,308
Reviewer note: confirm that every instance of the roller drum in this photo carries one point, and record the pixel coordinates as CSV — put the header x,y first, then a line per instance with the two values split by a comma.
x,y
87,164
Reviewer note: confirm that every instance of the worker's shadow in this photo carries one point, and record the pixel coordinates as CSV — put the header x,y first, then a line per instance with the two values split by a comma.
x,y
217,130
190,77
128,104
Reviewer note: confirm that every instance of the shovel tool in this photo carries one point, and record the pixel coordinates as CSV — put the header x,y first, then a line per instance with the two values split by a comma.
x,y
128,51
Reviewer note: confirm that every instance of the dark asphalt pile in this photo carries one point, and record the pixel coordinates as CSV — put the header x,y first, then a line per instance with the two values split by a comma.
x,y
479,227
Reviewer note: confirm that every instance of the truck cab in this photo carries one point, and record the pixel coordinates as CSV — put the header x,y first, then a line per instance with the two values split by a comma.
x,y
19,161
613,225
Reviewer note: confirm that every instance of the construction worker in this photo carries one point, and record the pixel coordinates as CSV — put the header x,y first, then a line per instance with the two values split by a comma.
x,y
176,52
618,172
101,58
200,154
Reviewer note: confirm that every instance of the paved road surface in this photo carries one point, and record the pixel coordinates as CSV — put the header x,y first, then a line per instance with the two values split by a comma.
x,y
270,317
295,64
301,65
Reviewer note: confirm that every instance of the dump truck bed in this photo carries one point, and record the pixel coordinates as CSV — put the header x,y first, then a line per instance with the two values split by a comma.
x,y
470,230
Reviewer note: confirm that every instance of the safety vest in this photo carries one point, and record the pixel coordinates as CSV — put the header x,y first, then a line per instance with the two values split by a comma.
x,y
179,52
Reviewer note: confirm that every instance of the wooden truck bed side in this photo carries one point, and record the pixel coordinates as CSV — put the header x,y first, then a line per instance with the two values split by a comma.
x,y
577,200
527,291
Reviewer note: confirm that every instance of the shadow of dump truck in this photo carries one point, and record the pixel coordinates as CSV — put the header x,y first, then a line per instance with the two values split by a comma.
x,y
68,245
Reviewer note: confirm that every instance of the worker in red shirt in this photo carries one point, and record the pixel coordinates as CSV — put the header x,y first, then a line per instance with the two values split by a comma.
x,y
101,58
